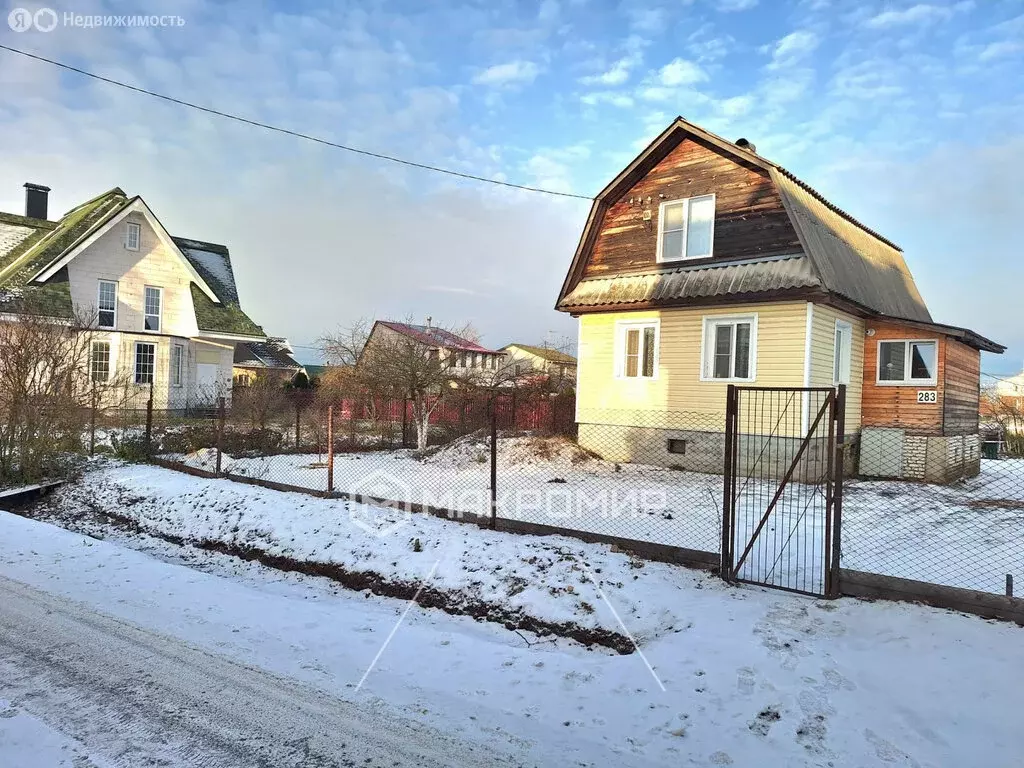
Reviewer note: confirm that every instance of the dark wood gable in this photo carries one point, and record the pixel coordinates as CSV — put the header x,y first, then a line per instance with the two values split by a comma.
x,y
750,219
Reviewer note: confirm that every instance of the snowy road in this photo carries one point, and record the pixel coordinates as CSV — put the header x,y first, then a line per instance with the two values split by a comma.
x,y
129,696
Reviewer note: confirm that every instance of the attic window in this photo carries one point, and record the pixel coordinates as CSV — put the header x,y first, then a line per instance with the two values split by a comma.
x,y
132,235
686,228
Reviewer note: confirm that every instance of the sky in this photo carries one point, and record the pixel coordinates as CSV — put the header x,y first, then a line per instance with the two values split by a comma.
x,y
909,115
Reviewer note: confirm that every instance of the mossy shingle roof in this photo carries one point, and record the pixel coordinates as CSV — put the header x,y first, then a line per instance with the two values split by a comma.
x,y
34,244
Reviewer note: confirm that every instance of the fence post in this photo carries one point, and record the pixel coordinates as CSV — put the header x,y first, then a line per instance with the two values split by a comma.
x,y
92,423
730,423
837,492
494,467
1009,585
149,422
405,421
330,449
220,432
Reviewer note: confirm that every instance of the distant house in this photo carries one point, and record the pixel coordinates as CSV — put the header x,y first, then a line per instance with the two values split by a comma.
x,y
1011,387
527,358
163,311
704,264
272,357
462,355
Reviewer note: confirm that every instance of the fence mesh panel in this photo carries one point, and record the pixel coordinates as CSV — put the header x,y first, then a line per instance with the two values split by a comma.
x,y
947,510
965,531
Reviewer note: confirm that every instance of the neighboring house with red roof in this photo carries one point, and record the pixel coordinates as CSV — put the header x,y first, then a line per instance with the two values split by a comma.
x,y
461,354
164,311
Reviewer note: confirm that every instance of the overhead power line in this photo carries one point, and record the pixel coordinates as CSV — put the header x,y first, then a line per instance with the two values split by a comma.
x,y
288,132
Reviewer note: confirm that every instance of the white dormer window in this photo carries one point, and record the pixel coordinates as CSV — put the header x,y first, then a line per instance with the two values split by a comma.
x,y
132,236
686,228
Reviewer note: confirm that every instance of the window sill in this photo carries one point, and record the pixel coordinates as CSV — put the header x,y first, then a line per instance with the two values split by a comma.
x,y
916,384
727,381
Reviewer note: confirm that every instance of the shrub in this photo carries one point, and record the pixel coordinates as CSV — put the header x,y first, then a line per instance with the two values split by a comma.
x,y
130,447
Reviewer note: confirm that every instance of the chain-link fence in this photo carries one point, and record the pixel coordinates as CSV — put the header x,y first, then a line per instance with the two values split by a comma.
x,y
931,508
946,510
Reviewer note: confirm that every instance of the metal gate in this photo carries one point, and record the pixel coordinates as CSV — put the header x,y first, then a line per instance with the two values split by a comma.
x,y
783,487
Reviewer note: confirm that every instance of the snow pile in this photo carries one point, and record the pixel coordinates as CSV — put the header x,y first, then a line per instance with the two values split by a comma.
x,y
525,580
552,453
204,458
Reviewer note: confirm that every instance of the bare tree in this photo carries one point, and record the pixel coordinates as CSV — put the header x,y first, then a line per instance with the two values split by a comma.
x,y
1007,411
390,363
44,393
259,401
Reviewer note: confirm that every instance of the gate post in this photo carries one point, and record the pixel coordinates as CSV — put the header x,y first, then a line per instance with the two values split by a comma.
x,y
731,407
837,493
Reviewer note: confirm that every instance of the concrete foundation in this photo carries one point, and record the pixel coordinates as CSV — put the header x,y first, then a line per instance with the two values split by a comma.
x,y
704,451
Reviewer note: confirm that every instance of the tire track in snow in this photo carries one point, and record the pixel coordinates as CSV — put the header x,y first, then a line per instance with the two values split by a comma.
x,y
140,698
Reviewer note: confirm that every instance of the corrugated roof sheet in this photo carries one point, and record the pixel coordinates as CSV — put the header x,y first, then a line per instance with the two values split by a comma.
x,y
754,276
435,337
852,261
273,353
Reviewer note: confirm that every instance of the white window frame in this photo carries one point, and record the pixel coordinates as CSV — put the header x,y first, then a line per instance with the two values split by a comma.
x,y
145,310
844,329
92,359
135,363
707,363
99,291
177,365
685,202
907,381
621,327
131,228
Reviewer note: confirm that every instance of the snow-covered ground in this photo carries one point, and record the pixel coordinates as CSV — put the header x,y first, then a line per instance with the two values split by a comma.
x,y
965,535
749,677
27,741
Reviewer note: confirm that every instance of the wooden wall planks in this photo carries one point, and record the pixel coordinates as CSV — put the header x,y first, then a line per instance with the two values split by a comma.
x,y
749,217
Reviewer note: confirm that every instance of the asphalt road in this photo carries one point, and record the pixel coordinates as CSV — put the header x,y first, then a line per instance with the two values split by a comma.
x,y
138,698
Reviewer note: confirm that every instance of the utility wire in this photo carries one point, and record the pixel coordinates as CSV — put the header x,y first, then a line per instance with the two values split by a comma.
x,y
287,132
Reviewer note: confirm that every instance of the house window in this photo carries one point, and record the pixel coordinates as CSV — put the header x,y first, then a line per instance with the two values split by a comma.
x,y
842,352
637,350
153,299
686,228
99,361
729,350
106,304
177,363
132,236
145,362
907,362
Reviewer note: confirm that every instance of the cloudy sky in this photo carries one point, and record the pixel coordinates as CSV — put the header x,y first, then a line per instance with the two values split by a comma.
x,y
908,114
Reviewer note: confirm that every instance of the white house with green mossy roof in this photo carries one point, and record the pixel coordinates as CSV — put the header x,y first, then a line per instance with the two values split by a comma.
x,y
164,311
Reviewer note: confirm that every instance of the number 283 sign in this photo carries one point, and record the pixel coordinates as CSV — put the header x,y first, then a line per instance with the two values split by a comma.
x,y
927,396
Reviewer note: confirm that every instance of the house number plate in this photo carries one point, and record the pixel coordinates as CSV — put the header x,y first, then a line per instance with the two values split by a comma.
x,y
927,396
